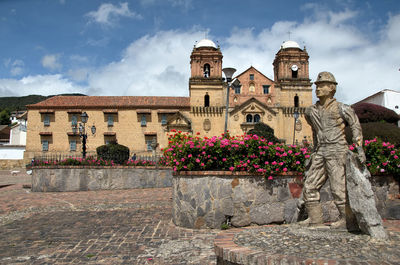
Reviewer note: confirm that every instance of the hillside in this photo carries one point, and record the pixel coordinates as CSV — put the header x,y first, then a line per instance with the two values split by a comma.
x,y
19,103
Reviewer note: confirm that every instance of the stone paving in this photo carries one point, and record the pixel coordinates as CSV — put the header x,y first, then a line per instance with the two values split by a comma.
x,y
135,227
98,227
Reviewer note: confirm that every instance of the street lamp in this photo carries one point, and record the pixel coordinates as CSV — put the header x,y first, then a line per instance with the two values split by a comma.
x,y
82,131
296,116
228,74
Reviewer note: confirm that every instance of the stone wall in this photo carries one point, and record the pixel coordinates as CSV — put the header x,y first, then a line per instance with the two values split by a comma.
x,y
208,199
8,164
99,178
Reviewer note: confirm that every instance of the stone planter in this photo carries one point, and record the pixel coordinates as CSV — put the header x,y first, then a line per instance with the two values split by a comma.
x,y
208,199
70,178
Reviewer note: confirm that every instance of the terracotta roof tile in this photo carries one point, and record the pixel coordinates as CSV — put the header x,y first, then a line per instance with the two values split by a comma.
x,y
76,102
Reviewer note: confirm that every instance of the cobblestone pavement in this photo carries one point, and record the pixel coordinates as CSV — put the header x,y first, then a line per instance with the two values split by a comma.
x,y
101,227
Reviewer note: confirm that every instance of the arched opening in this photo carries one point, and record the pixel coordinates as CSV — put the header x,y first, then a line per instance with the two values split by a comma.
x,y
206,70
294,74
249,118
206,100
256,118
296,101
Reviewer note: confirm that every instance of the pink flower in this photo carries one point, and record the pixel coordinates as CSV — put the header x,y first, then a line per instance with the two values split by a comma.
x,y
274,163
396,157
270,178
224,159
307,156
351,147
297,162
190,155
285,169
197,160
202,164
231,168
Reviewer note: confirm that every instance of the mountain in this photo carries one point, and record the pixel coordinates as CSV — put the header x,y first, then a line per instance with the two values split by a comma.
x,y
19,103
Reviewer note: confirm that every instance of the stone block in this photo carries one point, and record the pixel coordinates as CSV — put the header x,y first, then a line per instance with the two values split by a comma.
x,y
268,213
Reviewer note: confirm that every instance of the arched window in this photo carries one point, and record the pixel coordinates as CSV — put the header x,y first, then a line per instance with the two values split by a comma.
x,y
249,118
206,101
206,70
294,74
296,101
256,118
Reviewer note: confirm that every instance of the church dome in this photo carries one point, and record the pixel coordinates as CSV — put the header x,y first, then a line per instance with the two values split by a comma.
x,y
290,44
206,43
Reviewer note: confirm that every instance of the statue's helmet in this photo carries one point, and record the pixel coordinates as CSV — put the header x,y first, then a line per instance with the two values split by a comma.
x,y
325,77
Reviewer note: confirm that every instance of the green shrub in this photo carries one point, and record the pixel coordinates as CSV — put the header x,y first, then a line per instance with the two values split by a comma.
x,y
387,132
263,130
114,152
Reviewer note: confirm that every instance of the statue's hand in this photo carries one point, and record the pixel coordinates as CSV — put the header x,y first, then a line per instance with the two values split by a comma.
x,y
361,155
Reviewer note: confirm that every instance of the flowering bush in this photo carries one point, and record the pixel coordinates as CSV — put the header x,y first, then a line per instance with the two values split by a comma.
x,y
248,153
251,153
382,157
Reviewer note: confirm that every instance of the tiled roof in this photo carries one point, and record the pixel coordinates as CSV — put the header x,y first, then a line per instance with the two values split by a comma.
x,y
111,102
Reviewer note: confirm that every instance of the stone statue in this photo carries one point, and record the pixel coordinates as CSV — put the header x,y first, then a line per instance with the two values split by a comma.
x,y
330,159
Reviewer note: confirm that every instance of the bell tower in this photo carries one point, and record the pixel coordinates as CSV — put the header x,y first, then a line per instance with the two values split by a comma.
x,y
206,88
205,83
291,74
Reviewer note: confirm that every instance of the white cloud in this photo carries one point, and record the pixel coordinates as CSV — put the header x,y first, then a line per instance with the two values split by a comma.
x,y
159,64
153,65
186,4
39,84
51,62
16,67
108,14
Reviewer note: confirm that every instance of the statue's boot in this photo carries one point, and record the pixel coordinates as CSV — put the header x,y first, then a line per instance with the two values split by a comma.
x,y
347,220
315,217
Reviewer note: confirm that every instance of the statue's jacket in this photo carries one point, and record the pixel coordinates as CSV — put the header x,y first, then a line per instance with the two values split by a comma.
x,y
328,123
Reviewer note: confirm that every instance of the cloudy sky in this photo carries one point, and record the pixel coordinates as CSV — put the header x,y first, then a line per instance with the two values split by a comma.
x,y
142,47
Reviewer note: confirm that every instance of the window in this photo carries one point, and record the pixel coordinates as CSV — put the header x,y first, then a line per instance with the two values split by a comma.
x,y
251,76
266,89
256,118
237,89
143,120
294,74
206,101
149,139
110,120
249,118
206,70
45,145
296,101
163,119
46,120
74,120
148,143
72,145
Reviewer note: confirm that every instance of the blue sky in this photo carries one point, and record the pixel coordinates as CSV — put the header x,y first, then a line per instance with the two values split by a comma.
x,y
142,47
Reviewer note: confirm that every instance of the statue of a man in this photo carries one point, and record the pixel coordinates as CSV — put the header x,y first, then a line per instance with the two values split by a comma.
x,y
328,119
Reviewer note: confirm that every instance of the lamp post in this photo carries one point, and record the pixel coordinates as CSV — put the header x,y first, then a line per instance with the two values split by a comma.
x,y
82,131
296,116
228,74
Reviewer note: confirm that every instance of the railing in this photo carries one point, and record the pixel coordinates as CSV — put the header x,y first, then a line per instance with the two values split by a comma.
x,y
55,158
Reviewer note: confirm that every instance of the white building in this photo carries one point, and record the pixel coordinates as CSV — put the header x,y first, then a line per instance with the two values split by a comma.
x,y
387,98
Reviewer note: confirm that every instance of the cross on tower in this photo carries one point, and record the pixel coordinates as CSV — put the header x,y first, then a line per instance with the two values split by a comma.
x,y
289,32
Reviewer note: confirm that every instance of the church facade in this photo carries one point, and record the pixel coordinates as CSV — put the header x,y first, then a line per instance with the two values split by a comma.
x,y
139,122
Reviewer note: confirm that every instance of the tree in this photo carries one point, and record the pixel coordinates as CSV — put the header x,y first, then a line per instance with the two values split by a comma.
x,y
5,117
263,130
